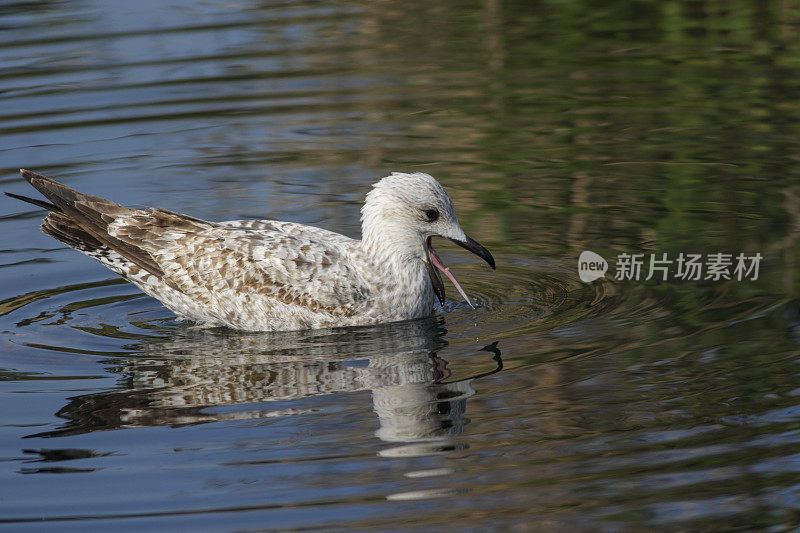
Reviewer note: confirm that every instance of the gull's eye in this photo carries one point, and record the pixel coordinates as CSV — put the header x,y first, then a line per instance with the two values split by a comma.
x,y
432,215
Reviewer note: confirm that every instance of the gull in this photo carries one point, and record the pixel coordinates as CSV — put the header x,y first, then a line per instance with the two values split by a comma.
x,y
268,275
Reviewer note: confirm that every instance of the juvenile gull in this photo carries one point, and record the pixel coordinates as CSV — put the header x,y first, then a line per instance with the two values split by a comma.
x,y
261,275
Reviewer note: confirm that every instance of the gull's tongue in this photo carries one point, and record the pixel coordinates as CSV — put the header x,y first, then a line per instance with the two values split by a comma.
x,y
438,264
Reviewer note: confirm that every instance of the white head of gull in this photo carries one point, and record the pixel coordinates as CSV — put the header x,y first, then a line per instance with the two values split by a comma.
x,y
268,275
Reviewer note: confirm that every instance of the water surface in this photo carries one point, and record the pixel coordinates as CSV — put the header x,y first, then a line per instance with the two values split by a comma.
x,y
652,128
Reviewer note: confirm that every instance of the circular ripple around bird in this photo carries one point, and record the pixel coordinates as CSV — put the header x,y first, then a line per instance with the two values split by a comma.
x,y
526,295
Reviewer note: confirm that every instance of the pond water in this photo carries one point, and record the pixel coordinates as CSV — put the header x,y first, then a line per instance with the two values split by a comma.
x,y
619,128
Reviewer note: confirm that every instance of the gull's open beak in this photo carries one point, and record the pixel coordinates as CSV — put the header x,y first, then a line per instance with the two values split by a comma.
x,y
436,280
435,262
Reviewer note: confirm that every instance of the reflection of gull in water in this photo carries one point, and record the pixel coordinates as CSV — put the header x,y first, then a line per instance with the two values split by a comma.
x,y
266,275
182,380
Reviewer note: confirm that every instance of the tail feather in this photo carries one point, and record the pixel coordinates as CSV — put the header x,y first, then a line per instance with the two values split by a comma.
x,y
60,227
34,201
95,210
81,220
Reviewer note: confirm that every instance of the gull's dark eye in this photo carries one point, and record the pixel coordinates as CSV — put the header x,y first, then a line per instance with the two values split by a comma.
x,y
432,215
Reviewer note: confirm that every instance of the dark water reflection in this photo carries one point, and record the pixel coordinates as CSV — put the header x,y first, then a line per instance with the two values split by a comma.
x,y
654,127
215,375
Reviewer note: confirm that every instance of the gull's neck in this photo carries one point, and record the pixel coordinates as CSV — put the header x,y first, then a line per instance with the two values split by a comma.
x,y
399,253
389,244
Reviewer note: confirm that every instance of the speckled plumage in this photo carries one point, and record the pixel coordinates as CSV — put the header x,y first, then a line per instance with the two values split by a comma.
x,y
263,275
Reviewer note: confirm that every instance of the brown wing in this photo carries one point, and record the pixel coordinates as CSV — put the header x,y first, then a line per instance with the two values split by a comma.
x,y
206,263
